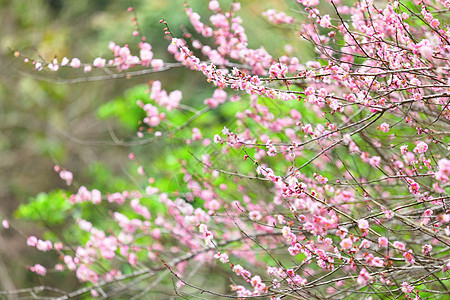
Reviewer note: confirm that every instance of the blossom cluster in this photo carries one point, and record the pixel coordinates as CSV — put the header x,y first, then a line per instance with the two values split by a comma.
x,y
348,158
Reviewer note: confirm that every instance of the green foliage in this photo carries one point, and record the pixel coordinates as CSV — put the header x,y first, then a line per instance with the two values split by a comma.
x,y
124,108
48,208
104,179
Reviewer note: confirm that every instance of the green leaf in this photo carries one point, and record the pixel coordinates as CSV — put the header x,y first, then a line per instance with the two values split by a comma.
x,y
51,209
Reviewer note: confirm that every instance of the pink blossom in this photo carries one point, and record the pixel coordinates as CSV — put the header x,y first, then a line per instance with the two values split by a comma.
x,y
434,23
417,96
5,224
238,269
372,66
84,225
426,249
346,243
407,288
66,176
421,147
53,67
38,66
146,55
278,71
363,224
365,244
414,188
299,280
309,3
44,246
382,242
196,134
443,172
58,246
409,257
399,245
132,258
404,149
84,274
309,91
32,241
68,260
96,196
99,62
255,215
116,197
87,68
59,267
75,63
364,277
214,5
278,17
325,21
64,61
384,127
39,269
374,161
217,139
290,237
223,257
255,280
157,64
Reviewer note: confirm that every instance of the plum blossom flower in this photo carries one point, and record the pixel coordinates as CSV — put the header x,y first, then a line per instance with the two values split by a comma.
x,y
406,287
382,242
426,249
278,17
255,215
309,3
44,246
238,269
443,172
325,21
384,127
255,280
75,63
434,23
223,257
278,70
346,243
39,269
67,176
64,61
38,66
213,5
374,161
414,188
409,257
399,245
363,224
96,196
364,277
84,274
32,241
5,224
53,67
421,147
157,64
288,235
132,258
99,62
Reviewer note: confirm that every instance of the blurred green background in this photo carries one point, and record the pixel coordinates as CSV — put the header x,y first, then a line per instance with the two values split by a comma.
x,y
44,123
